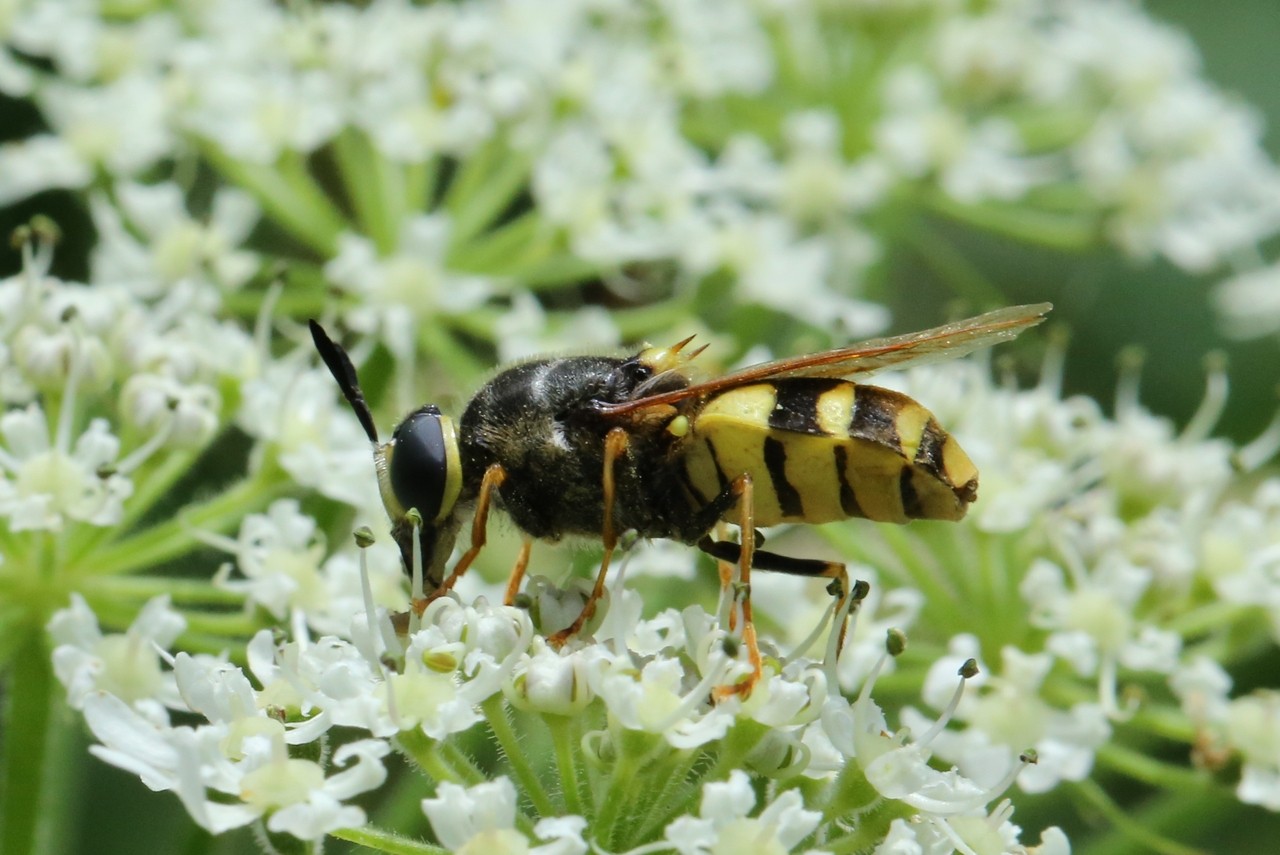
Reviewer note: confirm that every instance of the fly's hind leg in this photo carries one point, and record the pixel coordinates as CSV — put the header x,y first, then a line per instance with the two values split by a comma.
x,y
740,492
839,587
615,445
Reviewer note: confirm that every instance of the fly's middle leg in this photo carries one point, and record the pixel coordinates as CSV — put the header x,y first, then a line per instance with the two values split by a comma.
x,y
615,446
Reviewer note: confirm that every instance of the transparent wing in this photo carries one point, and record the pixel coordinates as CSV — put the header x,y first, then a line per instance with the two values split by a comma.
x,y
948,341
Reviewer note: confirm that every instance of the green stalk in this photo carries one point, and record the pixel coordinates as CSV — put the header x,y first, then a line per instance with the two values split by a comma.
x,y
1147,769
1134,829
287,195
191,592
621,779
420,185
1062,231
425,752
495,713
674,795
177,536
952,266
385,841
38,772
485,186
374,186
564,743
150,489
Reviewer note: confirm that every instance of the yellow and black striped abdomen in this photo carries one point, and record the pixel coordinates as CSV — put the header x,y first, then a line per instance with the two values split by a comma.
x,y
820,450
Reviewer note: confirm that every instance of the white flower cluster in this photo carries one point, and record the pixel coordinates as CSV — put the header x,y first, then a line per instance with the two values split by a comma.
x,y
1110,551
495,141
97,380
94,383
640,699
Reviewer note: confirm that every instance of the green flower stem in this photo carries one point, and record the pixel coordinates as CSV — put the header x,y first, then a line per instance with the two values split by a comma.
x,y
1050,131
903,563
564,738
36,779
851,793
655,319
674,795
486,184
1061,231
559,270
384,841
155,482
304,295
458,363
120,613
230,625
150,488
952,266
426,753
506,249
1149,770
736,745
15,624
14,548
1167,722
288,195
495,713
374,186
193,592
177,536
420,181
636,750
1209,617
1135,830
213,644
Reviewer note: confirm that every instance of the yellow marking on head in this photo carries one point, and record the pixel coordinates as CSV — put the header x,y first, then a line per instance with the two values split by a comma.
x,y
382,466
679,426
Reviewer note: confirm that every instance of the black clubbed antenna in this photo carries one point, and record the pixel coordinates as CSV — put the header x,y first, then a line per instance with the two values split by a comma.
x,y
345,373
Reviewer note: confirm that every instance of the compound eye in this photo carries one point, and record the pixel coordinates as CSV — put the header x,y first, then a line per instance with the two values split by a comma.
x,y
424,466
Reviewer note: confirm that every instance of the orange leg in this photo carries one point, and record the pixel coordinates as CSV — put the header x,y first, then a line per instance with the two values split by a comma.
x,y
517,573
615,445
493,478
745,489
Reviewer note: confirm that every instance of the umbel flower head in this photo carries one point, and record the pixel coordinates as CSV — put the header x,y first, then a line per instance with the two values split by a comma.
x,y
639,751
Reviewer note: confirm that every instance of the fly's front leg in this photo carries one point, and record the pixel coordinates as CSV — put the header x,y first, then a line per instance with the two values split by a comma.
x,y
615,446
517,572
493,478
